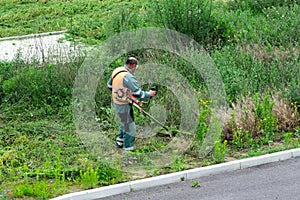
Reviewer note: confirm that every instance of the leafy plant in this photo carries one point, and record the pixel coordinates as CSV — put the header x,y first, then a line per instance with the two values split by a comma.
x,y
203,123
266,121
37,189
89,178
195,184
178,163
290,140
241,139
219,151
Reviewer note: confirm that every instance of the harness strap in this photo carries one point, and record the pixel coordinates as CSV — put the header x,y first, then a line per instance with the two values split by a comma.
x,y
119,73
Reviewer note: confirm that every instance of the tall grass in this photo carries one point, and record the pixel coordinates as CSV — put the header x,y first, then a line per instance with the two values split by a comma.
x,y
193,18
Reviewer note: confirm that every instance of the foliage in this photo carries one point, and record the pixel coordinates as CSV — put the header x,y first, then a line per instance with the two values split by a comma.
x,y
128,16
49,88
275,26
258,119
219,151
242,139
193,18
290,140
89,179
266,122
203,124
251,69
258,6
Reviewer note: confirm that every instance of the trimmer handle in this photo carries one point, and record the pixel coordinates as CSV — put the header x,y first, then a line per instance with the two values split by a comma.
x,y
154,88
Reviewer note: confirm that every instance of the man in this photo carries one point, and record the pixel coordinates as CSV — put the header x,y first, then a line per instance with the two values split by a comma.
x,y
125,89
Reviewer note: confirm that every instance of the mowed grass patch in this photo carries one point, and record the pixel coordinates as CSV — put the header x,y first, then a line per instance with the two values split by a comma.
x,y
84,18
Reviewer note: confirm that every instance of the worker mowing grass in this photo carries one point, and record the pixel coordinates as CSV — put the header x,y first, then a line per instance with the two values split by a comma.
x,y
125,91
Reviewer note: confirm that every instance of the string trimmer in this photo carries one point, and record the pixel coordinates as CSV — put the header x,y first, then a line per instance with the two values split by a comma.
x,y
138,105
153,118
170,132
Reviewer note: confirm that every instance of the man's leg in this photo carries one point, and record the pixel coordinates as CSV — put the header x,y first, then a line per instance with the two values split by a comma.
x,y
129,135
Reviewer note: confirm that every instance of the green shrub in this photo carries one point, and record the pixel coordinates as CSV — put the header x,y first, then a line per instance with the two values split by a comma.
x,y
129,16
290,140
193,18
108,175
280,26
219,151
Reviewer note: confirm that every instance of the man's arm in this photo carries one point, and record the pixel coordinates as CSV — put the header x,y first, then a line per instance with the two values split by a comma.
x,y
131,83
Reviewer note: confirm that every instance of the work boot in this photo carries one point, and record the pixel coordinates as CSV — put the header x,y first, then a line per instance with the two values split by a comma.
x,y
128,149
119,142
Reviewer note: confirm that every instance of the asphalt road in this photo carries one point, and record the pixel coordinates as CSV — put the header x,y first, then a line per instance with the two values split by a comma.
x,y
279,180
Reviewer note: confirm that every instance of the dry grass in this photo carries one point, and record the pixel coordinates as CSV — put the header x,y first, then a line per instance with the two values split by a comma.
x,y
286,114
242,116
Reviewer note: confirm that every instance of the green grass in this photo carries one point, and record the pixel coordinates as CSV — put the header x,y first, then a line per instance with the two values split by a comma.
x,y
85,19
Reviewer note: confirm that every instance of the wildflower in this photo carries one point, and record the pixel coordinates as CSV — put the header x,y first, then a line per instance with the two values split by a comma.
x,y
286,89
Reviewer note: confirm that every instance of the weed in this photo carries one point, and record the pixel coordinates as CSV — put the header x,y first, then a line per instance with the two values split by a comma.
x,y
195,184
36,189
219,151
89,178
286,113
24,189
203,124
266,121
242,139
290,141
178,163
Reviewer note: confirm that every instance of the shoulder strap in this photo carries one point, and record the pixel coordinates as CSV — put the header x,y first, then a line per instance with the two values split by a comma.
x,y
119,73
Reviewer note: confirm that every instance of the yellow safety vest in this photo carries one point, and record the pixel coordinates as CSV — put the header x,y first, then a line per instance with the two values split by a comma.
x,y
120,94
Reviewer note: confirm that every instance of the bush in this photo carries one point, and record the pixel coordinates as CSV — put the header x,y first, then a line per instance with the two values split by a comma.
x,y
193,18
129,16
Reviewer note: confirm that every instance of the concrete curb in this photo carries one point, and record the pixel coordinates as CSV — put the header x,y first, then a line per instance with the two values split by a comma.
x,y
180,176
33,35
